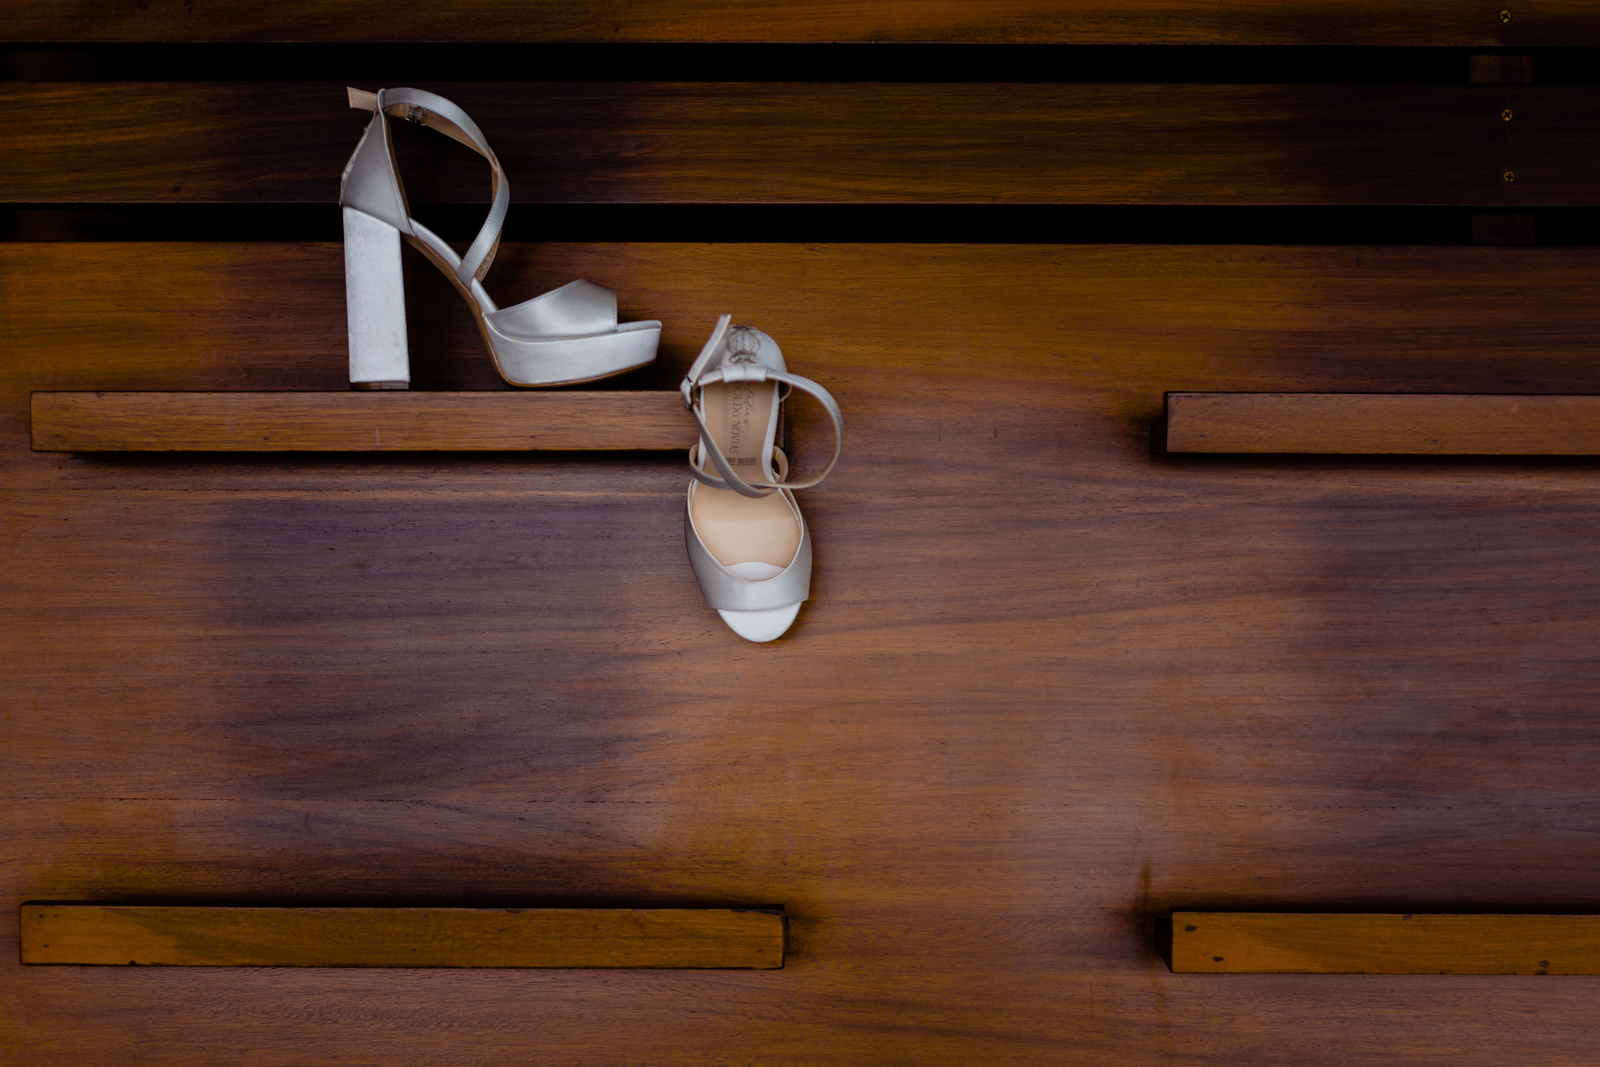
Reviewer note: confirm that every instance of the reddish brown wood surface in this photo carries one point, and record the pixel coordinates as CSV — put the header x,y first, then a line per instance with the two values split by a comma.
x,y
733,142
1299,943
1048,687
1366,22
1434,424
658,938
360,421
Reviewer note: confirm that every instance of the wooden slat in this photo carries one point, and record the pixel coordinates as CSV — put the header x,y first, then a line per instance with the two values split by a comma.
x,y
1359,22
197,316
1415,424
1297,943
359,421
630,142
401,937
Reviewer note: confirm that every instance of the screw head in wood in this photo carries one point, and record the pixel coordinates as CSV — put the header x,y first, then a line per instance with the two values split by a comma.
x,y
1506,114
1505,16
1510,176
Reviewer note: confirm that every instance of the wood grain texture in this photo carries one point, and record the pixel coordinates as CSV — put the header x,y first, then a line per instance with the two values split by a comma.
x,y
164,317
730,142
1048,687
1287,943
359,421
1416,424
1361,22
661,938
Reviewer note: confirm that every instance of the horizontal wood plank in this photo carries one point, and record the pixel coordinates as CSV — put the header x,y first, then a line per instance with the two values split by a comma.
x,y
1296,943
641,142
1359,22
359,421
197,316
400,937
1417,424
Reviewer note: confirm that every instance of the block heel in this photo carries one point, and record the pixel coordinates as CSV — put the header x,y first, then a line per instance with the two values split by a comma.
x,y
375,303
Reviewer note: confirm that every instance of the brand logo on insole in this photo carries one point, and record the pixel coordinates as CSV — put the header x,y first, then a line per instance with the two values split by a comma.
x,y
739,410
743,344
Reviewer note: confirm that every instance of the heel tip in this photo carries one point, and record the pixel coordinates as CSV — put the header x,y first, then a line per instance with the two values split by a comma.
x,y
380,385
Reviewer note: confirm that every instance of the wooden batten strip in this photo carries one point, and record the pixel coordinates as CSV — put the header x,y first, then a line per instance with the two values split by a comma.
x,y
825,143
359,421
1418,424
401,937
1297,943
1110,22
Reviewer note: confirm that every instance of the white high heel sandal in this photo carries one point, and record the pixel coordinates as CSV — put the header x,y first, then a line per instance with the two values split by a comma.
x,y
747,541
568,335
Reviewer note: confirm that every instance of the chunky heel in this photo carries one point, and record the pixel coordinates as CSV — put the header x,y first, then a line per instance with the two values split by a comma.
x,y
375,301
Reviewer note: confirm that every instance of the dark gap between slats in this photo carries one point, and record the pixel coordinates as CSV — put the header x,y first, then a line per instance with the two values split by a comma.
x,y
373,65
810,223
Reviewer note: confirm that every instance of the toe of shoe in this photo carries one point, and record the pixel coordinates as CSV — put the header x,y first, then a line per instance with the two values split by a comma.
x,y
761,626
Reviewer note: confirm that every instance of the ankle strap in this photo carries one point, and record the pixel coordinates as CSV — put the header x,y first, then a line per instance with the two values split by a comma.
x,y
430,109
698,378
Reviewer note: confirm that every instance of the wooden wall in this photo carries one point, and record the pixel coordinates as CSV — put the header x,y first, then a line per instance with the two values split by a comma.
x,y
1052,682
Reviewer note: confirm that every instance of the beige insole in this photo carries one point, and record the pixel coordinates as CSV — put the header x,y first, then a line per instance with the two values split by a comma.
x,y
735,528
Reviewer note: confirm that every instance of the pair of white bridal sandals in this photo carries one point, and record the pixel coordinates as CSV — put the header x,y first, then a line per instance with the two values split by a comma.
x,y
568,335
748,542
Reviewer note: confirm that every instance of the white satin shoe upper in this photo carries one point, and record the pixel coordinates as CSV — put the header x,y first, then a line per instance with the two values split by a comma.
x,y
566,336
759,600
753,563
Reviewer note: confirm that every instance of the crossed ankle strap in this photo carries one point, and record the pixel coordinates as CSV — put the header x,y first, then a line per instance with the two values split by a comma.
x,y
698,378
418,105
